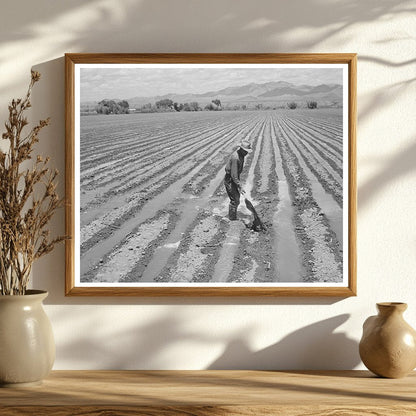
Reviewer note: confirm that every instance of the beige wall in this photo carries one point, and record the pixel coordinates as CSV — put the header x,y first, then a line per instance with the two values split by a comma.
x,y
195,333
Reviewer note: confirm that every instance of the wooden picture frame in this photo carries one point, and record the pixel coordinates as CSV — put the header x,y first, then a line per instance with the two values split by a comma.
x,y
302,151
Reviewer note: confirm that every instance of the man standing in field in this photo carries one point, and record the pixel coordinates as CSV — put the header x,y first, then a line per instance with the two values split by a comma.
x,y
232,183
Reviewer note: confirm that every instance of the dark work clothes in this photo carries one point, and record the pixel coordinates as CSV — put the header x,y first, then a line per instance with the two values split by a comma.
x,y
232,183
234,167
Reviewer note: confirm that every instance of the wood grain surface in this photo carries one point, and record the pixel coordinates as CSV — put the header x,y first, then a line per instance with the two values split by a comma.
x,y
202,393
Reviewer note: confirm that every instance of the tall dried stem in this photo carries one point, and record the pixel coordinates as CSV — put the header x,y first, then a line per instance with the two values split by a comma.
x,y
24,216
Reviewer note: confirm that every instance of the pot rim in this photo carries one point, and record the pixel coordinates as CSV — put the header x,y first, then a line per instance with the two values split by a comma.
x,y
391,303
30,294
391,306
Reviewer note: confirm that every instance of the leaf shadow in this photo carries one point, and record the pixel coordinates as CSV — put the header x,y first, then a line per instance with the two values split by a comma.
x,y
313,347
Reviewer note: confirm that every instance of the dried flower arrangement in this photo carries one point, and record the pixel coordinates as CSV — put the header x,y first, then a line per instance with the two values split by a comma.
x,y
28,199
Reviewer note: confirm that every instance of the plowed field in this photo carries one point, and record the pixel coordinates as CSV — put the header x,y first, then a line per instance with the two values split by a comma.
x,y
154,208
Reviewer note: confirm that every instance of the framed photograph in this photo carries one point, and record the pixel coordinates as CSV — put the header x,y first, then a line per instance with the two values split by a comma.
x,y
211,174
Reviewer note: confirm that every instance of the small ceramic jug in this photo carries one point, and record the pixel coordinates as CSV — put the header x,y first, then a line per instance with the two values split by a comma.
x,y
388,344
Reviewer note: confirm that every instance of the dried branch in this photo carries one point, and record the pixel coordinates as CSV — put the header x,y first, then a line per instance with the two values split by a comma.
x,y
23,218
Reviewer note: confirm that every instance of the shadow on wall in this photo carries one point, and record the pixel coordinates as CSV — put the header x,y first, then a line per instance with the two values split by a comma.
x,y
48,100
396,167
155,26
142,347
314,347
382,97
236,28
152,345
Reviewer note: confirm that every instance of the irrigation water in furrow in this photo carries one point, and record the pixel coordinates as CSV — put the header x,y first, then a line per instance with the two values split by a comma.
x,y
160,213
325,201
317,163
121,214
332,163
327,148
321,256
184,249
145,169
145,146
147,210
288,260
192,265
145,157
119,179
131,250
114,212
189,210
250,176
252,258
329,170
202,178
317,168
260,266
232,240
264,169
313,157
327,143
157,132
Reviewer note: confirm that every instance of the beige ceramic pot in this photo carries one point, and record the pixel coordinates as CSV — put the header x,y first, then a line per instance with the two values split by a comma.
x,y
388,344
27,347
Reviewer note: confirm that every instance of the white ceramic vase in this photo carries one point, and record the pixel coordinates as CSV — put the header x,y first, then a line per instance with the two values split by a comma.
x,y
27,346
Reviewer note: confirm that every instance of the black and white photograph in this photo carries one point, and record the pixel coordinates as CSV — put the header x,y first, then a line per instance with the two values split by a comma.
x,y
211,175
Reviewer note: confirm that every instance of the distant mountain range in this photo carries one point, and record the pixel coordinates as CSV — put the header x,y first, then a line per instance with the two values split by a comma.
x,y
269,93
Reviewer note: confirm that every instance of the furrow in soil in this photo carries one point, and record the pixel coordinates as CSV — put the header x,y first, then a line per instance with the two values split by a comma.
x,y
321,252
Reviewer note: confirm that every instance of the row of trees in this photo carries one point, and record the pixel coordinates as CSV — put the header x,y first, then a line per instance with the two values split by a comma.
x,y
215,105
111,107
166,105
309,104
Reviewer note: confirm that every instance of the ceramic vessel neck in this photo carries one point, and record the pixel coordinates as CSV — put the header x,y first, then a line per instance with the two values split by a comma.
x,y
391,308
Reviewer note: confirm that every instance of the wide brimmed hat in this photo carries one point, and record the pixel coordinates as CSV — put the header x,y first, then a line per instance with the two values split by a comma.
x,y
246,145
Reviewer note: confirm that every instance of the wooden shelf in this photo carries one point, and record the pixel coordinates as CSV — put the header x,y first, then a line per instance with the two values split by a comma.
x,y
202,393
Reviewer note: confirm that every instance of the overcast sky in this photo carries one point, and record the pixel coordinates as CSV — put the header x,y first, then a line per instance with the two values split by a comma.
x,y
125,83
